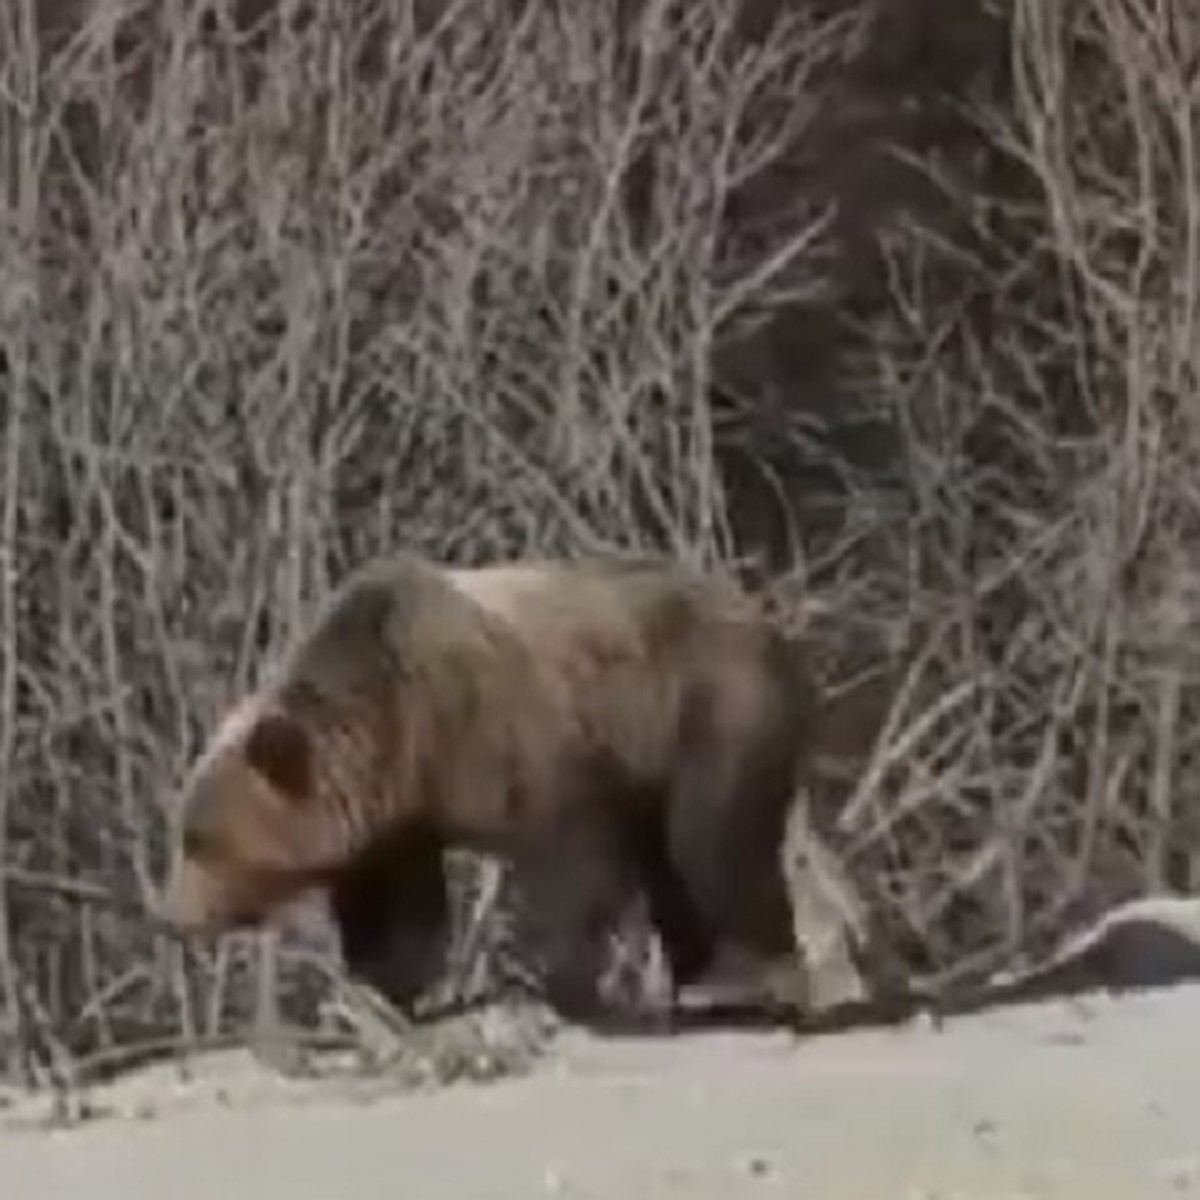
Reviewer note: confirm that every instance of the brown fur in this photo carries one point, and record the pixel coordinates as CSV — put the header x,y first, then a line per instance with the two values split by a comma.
x,y
605,725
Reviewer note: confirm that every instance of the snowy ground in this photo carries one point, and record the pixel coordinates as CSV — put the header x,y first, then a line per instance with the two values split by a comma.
x,y
1095,1098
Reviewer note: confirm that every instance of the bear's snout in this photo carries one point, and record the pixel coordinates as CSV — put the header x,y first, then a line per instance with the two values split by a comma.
x,y
188,901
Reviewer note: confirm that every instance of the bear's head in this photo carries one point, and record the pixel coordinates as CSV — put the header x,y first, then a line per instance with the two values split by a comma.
x,y
250,836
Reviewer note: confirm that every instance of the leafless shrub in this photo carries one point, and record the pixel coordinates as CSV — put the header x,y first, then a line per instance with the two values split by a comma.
x,y
283,283
1041,768
291,283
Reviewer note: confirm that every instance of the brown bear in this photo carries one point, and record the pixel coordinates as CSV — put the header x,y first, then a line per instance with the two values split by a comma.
x,y
605,725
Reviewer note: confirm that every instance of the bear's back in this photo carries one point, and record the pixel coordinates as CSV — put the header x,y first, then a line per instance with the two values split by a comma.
x,y
625,644
634,605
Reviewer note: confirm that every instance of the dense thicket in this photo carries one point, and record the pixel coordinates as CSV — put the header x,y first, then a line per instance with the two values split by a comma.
x,y
892,303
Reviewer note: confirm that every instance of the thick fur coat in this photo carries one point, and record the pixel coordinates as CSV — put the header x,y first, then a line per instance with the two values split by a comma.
x,y
607,726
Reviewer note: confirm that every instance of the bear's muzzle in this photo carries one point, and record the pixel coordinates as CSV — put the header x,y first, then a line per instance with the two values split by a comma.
x,y
190,903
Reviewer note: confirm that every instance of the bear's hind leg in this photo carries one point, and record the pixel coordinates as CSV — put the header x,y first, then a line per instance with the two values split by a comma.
x,y
725,830
687,937
391,907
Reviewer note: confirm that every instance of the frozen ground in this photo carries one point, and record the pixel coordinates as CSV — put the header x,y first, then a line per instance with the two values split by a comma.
x,y
1097,1098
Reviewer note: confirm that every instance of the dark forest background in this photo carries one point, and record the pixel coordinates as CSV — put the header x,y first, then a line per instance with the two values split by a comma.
x,y
892,305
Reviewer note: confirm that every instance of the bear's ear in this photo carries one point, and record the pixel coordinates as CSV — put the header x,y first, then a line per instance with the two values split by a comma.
x,y
278,748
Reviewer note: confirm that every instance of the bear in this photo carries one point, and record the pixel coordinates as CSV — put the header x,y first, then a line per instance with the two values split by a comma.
x,y
607,725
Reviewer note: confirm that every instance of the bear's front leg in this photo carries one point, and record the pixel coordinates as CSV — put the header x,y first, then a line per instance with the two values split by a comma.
x,y
391,907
